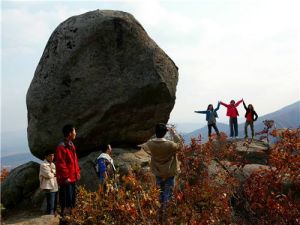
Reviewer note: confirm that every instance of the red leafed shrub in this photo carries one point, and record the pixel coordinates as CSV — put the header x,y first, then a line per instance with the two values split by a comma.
x,y
204,194
273,195
201,197
133,203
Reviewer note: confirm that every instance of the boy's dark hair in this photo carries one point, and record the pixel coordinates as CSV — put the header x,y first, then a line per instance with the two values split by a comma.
x,y
232,101
161,130
48,152
104,148
67,129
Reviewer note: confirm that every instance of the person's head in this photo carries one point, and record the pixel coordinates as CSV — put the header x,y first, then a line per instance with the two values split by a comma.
x,y
106,148
161,130
232,102
69,132
250,107
49,155
210,107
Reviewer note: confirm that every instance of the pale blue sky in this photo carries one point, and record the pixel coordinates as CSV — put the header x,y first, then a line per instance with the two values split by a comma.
x,y
224,50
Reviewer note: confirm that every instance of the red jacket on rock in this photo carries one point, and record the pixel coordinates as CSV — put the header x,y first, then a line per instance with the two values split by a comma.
x,y
66,163
231,109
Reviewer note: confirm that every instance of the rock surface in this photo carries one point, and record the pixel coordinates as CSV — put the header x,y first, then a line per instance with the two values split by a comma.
x,y
31,218
19,187
103,73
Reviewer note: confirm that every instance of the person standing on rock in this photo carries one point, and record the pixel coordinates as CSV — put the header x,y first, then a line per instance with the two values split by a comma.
x,y
211,115
48,182
164,162
105,167
251,116
67,169
232,113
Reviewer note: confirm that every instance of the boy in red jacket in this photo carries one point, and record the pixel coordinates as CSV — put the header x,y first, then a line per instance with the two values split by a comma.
x,y
233,113
67,169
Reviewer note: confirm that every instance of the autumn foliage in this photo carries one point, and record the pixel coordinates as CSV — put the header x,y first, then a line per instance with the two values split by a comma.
x,y
3,174
273,195
204,195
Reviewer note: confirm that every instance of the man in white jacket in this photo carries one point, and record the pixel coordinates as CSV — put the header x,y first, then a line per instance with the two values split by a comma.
x,y
48,182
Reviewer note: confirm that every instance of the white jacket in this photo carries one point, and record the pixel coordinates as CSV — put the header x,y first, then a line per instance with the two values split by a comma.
x,y
48,176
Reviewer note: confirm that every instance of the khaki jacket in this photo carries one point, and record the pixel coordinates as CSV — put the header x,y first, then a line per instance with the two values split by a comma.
x,y
47,176
164,162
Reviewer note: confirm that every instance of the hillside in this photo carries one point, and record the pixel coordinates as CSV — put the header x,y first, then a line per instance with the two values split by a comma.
x,y
287,117
15,160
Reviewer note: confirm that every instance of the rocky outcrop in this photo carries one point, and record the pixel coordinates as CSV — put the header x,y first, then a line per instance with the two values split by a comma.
x,y
103,73
253,155
19,187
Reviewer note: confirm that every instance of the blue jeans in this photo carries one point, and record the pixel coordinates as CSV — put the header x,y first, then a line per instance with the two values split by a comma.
x,y
166,189
233,127
67,196
51,202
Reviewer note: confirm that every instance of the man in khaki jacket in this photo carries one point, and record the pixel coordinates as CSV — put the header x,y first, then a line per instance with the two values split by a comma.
x,y
163,160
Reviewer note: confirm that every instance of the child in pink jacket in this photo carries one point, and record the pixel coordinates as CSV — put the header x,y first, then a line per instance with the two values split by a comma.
x,y
233,113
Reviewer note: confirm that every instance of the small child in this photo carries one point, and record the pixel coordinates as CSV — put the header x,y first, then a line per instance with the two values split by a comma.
x,y
251,116
106,167
48,182
211,115
233,113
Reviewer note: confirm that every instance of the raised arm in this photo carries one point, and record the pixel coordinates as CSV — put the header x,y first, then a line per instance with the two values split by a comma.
x,y
177,139
245,105
239,102
224,104
218,106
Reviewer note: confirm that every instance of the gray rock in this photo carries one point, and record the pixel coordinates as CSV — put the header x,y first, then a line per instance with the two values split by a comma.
x,y
19,187
103,73
250,152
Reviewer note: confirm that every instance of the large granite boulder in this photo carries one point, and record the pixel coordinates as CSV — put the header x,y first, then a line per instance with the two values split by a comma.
x,y
19,187
103,73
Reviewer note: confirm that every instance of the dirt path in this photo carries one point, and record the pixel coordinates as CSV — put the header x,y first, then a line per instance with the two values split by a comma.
x,y
29,218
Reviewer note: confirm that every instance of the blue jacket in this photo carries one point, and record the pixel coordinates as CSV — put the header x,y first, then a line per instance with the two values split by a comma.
x,y
101,169
207,112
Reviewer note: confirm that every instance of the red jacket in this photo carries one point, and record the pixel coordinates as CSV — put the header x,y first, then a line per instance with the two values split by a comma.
x,y
66,163
231,109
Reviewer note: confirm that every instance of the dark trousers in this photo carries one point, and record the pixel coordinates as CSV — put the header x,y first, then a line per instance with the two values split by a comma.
x,y
51,202
67,196
247,123
215,128
233,127
166,189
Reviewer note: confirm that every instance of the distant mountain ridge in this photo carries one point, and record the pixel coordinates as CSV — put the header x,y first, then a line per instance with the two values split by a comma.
x,y
286,117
